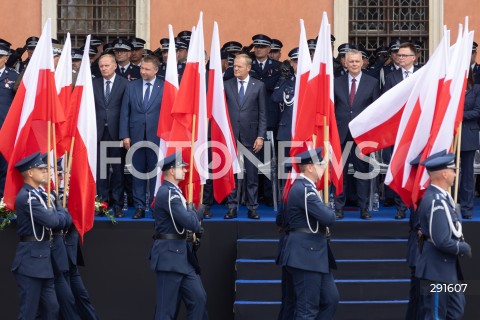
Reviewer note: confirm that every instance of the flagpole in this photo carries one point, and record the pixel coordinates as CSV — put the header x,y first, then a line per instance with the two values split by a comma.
x,y
67,175
326,159
55,168
457,166
190,174
65,157
48,162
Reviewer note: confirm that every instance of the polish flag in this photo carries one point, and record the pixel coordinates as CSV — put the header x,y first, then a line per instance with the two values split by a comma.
x,y
170,90
35,104
63,83
416,122
303,118
449,106
224,153
190,103
81,200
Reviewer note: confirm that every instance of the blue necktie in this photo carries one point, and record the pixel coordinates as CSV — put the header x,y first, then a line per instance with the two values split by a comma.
x,y
107,91
146,96
241,93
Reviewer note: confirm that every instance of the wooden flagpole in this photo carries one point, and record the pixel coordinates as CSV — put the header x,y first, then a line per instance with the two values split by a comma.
x,y
48,162
457,160
55,168
326,159
67,173
190,174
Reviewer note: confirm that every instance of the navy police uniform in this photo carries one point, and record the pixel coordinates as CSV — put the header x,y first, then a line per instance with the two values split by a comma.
x,y
441,246
32,265
306,254
169,255
130,71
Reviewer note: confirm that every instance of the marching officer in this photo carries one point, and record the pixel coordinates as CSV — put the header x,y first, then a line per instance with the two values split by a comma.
x,y
306,254
442,243
32,265
169,257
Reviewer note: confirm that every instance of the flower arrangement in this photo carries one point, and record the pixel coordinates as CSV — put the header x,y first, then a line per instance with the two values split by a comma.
x,y
102,208
5,215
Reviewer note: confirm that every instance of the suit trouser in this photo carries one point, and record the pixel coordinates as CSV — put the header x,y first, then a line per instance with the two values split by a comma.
x,y
37,294
3,174
251,177
316,295
171,286
442,305
66,300
363,185
113,182
84,306
466,192
287,310
144,161
414,303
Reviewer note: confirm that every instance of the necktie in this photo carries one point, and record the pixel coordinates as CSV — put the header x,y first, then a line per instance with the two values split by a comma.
x,y
260,65
241,93
353,90
123,70
407,73
146,96
107,91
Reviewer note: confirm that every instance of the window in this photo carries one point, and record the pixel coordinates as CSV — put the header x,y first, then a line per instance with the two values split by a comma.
x,y
107,19
374,23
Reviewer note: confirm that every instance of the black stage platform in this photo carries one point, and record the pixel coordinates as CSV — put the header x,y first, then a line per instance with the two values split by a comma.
x,y
239,274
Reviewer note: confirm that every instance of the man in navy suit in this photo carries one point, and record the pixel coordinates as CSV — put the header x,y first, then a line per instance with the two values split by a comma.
x,y
170,258
138,123
353,93
406,55
442,243
306,253
32,265
246,100
108,91
8,77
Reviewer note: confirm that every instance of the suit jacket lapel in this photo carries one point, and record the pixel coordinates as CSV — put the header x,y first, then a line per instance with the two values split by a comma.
x,y
155,92
248,90
139,92
234,88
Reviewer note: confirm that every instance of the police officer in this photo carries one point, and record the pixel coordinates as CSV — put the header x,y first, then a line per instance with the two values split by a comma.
x,y
137,51
230,50
122,49
474,65
8,78
164,45
169,258
307,255
181,46
312,45
97,45
442,243
392,63
342,50
275,50
32,265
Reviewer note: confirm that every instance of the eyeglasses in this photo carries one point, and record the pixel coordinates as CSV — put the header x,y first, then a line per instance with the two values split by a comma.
x,y
405,55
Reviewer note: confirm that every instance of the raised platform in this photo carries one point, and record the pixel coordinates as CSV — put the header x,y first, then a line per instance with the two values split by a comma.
x,y
371,285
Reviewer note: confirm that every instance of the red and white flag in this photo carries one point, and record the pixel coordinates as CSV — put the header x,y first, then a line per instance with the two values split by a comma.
x,y
416,122
190,103
81,199
302,126
170,90
449,106
26,125
224,153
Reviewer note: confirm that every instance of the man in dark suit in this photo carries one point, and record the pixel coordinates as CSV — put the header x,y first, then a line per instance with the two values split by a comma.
x,y
8,77
246,100
32,265
406,55
306,253
108,92
138,123
122,49
170,257
442,244
353,93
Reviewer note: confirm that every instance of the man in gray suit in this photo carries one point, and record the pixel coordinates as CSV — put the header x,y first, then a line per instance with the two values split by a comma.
x,y
108,91
247,110
138,123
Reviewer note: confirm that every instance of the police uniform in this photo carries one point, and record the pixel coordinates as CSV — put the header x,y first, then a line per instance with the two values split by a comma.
x,y
32,265
441,246
165,43
138,44
393,47
169,255
231,49
181,43
342,51
131,72
307,255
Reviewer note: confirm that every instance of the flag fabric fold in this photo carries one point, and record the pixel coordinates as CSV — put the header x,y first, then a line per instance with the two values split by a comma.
x,y
223,147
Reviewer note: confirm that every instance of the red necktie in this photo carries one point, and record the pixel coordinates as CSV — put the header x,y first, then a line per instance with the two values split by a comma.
x,y
353,90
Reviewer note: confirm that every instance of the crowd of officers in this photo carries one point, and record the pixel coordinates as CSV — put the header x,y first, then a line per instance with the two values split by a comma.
x,y
259,90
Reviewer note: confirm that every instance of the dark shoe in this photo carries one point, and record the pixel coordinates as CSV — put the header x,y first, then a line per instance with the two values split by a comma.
x,y
139,214
252,214
207,213
231,214
339,214
400,215
364,214
119,213
388,202
268,202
